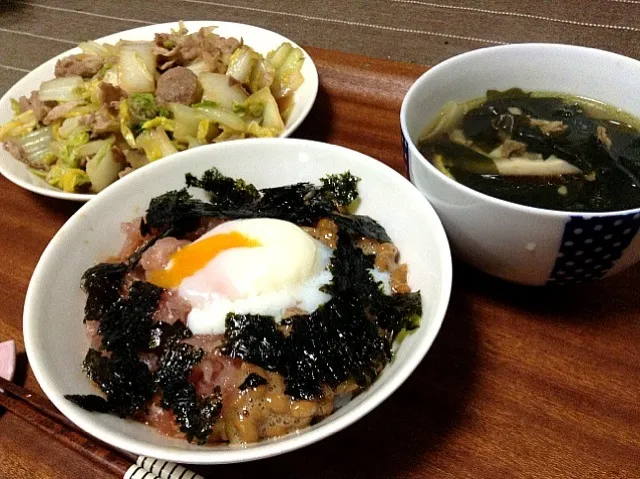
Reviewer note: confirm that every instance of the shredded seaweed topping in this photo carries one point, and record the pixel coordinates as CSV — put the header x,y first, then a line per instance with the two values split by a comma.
x,y
338,341
126,326
300,203
178,210
90,402
125,380
350,270
253,338
127,329
360,225
195,414
102,284
224,190
340,189
252,381
349,337
398,311
335,343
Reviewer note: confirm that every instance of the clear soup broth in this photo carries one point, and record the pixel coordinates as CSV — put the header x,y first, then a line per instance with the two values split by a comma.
x,y
546,150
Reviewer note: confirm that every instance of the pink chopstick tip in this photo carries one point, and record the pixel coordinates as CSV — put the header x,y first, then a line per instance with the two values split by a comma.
x,y
7,359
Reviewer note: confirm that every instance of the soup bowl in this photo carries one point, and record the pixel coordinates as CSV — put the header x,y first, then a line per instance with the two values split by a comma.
x,y
54,334
518,243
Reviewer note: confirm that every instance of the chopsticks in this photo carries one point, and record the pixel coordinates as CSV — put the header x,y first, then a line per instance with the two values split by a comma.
x,y
38,412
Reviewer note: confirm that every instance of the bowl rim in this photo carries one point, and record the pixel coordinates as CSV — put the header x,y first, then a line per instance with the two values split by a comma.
x,y
13,91
268,448
489,51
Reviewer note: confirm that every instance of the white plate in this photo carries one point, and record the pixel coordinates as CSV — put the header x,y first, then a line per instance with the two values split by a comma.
x,y
54,333
261,40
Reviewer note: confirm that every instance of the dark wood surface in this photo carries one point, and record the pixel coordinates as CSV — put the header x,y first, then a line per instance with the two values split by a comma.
x,y
520,382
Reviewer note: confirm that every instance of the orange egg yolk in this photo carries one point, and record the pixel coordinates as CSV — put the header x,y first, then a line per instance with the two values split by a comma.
x,y
195,256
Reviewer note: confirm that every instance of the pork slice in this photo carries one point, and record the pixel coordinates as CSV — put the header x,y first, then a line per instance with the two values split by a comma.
x,y
178,85
110,95
60,111
181,49
40,108
24,103
125,172
216,50
189,48
104,122
81,64
14,148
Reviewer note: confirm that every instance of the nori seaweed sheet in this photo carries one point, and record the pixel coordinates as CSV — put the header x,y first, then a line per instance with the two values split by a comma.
x,y
349,337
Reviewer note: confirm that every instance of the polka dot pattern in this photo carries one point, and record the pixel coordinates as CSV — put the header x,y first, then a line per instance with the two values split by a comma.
x,y
591,246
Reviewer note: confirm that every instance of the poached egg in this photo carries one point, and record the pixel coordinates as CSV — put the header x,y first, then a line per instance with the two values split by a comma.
x,y
253,266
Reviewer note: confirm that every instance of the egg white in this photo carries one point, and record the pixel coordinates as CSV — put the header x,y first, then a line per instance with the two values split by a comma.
x,y
285,271
209,318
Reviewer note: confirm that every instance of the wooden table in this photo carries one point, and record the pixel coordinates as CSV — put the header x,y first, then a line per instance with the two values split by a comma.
x,y
520,382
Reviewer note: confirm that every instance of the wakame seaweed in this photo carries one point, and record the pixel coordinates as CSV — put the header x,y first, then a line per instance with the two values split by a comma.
x,y
593,138
338,341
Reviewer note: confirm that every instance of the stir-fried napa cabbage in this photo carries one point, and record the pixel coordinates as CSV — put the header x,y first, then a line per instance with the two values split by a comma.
x,y
114,108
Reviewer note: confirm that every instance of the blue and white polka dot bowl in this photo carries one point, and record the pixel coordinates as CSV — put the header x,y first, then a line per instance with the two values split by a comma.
x,y
518,243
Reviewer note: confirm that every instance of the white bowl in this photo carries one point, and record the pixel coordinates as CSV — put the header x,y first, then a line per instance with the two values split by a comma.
x,y
519,243
261,40
53,312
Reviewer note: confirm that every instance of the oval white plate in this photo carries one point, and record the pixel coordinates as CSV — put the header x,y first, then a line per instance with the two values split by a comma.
x,y
54,333
261,40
